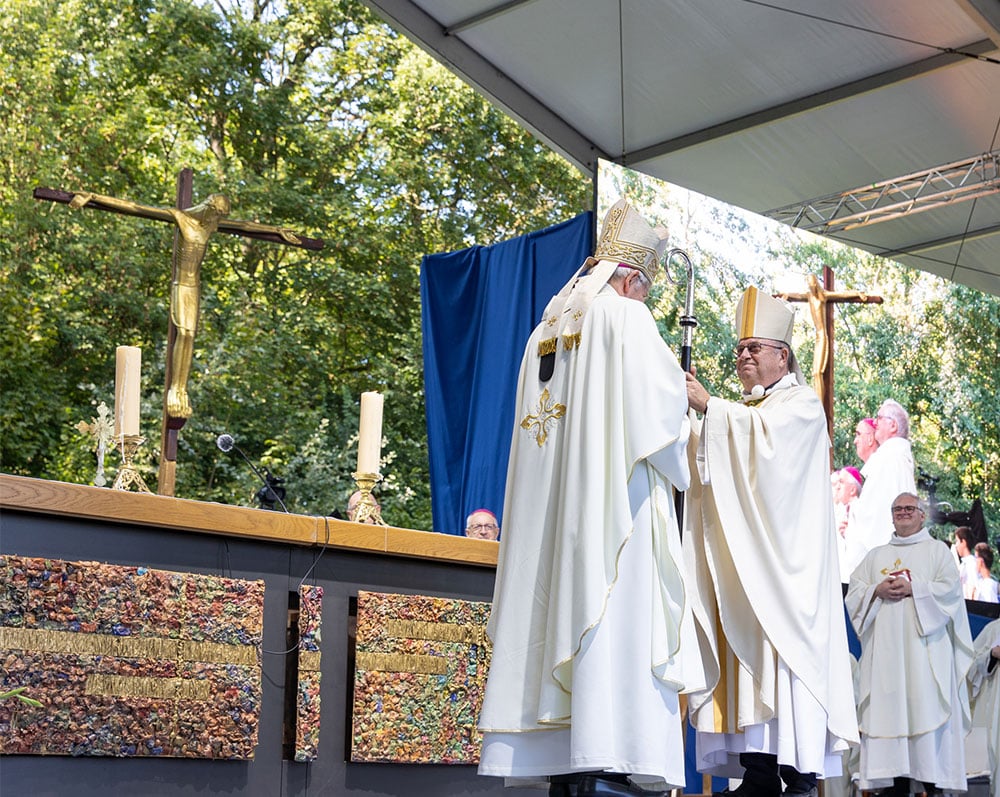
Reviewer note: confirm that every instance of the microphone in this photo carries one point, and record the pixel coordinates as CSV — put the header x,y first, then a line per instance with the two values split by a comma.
x,y
271,492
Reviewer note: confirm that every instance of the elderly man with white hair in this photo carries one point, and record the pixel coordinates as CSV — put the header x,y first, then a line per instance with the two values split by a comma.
x,y
590,604
887,473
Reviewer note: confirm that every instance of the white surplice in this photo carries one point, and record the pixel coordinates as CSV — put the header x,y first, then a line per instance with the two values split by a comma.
x,y
913,704
761,539
984,688
888,472
589,606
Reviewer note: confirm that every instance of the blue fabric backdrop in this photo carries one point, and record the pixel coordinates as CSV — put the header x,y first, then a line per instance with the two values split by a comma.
x,y
478,308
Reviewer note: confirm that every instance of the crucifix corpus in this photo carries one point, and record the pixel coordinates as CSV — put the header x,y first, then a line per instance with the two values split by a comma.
x,y
821,299
194,226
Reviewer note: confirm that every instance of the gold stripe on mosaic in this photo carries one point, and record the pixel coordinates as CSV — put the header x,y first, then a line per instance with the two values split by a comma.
x,y
127,647
402,662
309,660
158,688
469,634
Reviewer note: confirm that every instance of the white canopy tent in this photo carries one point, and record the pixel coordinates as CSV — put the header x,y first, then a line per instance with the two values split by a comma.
x,y
875,123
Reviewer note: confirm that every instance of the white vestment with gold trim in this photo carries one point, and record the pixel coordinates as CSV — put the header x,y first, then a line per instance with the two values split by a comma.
x,y
589,606
913,703
761,541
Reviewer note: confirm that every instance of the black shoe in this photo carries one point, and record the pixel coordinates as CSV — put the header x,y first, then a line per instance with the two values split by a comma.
x,y
743,790
611,785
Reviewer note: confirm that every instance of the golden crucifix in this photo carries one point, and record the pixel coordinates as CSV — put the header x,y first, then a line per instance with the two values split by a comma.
x,y
194,226
821,299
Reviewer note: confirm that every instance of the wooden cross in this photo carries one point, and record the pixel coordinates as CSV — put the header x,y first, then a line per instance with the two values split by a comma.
x,y
194,226
821,299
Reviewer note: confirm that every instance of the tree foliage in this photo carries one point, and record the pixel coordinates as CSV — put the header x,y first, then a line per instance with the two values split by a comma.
x,y
313,115
318,118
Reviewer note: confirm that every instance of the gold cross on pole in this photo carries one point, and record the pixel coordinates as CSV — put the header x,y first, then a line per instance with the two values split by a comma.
x,y
821,299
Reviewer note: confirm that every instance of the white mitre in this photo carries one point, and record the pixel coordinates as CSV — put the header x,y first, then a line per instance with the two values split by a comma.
x,y
626,239
759,315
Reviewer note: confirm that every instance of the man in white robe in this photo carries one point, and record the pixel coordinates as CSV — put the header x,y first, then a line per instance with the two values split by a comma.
x,y
905,602
589,603
888,472
984,687
761,540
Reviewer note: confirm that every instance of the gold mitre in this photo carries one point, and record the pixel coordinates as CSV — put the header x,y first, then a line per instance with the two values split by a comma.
x,y
626,237
759,315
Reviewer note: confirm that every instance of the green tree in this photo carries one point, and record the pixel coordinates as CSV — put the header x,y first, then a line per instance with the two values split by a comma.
x,y
319,118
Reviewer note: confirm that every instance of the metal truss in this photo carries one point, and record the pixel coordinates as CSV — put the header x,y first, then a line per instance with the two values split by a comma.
x,y
891,199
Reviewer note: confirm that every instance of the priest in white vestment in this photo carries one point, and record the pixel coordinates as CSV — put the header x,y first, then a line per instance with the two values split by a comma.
x,y
589,606
906,604
984,687
761,538
887,473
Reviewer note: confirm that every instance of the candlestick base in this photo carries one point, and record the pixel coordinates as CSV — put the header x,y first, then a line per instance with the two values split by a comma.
x,y
128,477
367,509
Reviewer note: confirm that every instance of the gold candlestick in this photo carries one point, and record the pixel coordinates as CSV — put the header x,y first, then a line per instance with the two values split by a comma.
x,y
128,477
367,509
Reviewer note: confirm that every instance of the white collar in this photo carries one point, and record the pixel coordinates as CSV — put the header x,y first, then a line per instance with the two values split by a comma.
x,y
921,536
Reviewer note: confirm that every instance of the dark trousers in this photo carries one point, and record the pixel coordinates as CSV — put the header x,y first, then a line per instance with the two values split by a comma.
x,y
763,776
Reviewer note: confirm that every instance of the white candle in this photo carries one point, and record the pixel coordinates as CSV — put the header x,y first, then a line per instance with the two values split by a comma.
x,y
370,433
128,375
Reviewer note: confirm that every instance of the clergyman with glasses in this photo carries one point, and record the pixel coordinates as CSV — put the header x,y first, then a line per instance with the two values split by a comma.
x,y
888,472
905,601
482,525
760,537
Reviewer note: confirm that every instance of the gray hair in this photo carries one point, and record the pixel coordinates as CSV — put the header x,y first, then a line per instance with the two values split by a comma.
x,y
620,273
894,410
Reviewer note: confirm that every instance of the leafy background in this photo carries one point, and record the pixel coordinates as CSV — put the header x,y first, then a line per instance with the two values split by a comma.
x,y
315,115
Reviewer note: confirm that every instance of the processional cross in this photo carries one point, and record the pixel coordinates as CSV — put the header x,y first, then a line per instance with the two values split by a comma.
x,y
194,225
821,299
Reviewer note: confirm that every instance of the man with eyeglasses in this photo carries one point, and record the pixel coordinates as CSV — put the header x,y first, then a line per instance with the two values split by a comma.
x,y
590,605
888,472
482,525
906,604
761,539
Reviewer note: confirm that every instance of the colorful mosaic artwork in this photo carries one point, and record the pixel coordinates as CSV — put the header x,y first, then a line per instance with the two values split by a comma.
x,y
307,700
128,661
420,671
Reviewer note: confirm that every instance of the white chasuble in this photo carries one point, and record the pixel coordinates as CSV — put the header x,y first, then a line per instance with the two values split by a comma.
x,y
888,472
589,606
761,541
913,705
984,686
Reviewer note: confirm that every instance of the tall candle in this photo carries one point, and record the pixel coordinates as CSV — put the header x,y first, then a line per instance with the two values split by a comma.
x,y
128,373
370,433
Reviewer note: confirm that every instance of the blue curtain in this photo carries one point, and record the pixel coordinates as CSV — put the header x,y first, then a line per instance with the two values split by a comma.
x,y
478,308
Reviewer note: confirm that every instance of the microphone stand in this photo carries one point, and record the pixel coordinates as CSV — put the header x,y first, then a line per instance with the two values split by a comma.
x,y
271,492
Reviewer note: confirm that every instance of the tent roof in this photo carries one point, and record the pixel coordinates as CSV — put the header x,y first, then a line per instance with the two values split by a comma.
x,y
763,105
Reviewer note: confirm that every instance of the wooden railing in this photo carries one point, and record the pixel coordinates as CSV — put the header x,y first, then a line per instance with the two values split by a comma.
x,y
142,509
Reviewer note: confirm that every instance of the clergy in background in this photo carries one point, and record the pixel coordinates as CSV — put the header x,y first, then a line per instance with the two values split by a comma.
x,y
984,686
888,472
905,602
589,606
761,541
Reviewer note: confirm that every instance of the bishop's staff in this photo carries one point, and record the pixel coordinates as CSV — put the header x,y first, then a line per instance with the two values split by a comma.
x,y
688,323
